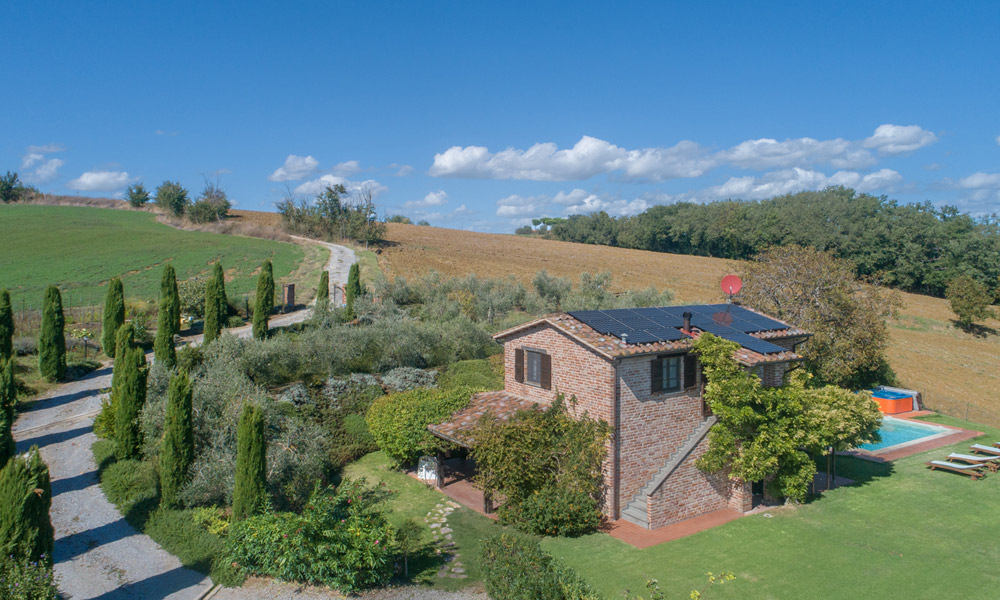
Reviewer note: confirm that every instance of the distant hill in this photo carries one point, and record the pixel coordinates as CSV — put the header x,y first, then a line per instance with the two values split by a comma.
x,y
956,371
80,248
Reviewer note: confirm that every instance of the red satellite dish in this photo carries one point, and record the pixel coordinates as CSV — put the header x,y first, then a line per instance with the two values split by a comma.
x,y
732,284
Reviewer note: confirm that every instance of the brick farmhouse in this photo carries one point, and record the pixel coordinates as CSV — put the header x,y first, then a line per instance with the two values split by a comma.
x,y
649,393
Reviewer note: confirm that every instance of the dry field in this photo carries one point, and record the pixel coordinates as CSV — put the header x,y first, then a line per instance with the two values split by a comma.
x,y
958,373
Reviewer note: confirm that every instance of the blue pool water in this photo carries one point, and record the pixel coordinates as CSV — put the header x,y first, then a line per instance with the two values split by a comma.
x,y
890,395
898,431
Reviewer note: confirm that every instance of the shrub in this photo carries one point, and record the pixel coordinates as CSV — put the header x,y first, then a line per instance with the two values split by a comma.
x,y
206,210
402,379
398,422
23,579
141,323
234,321
553,511
172,197
25,346
52,339
137,195
189,358
342,539
191,293
484,374
114,315
297,395
516,568
214,520
970,300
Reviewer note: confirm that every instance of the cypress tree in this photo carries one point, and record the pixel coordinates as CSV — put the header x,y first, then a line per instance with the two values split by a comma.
x,y
8,400
323,291
6,326
25,498
52,339
354,289
168,291
129,402
264,302
249,493
114,315
167,322
220,285
177,450
213,320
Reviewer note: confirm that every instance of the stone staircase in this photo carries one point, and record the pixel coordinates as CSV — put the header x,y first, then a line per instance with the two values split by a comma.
x,y
636,511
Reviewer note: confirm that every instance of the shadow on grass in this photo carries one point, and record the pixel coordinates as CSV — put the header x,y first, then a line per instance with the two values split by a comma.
x,y
424,565
977,330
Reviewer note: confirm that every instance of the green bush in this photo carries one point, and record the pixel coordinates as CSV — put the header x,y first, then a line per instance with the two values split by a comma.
x,y
515,568
172,197
22,579
342,539
398,422
553,511
137,195
486,374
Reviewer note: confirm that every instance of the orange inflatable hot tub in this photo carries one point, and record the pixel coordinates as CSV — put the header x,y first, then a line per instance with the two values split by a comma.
x,y
893,403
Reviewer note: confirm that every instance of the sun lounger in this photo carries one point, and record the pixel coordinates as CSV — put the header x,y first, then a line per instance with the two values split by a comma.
x,y
986,449
993,462
974,471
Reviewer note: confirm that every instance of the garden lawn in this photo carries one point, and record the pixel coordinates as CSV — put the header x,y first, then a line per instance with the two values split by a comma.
x,y
413,500
81,248
903,532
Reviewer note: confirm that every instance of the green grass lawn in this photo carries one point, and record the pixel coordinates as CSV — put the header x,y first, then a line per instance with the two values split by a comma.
x,y
904,532
413,500
81,248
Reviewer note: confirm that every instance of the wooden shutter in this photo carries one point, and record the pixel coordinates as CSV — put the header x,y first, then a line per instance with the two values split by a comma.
x,y
690,370
546,372
656,375
519,365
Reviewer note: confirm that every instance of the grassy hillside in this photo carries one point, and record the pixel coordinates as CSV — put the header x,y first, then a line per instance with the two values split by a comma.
x,y
81,248
956,371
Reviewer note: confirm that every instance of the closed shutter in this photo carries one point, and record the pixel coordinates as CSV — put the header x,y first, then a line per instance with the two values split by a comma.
x,y
519,365
546,372
656,375
690,370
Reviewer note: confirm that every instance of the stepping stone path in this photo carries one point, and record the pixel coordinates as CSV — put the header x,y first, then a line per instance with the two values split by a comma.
x,y
437,520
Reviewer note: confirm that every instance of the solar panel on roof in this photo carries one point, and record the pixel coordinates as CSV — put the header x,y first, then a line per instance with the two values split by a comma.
x,y
642,337
667,334
755,344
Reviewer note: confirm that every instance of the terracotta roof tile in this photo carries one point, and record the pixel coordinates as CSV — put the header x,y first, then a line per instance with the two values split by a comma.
x,y
461,424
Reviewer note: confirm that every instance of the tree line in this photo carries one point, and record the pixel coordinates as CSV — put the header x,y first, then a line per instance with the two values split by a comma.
x,y
334,214
913,247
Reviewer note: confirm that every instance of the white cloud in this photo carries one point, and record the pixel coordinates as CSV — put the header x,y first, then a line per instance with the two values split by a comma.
x,y
519,206
461,210
998,140
980,180
431,199
899,139
766,153
166,133
295,168
787,181
402,170
316,186
349,167
588,157
36,167
100,181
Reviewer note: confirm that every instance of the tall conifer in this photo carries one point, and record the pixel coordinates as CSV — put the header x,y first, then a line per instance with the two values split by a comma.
x,y
177,450
354,289
168,321
249,493
168,289
114,315
6,326
220,282
52,339
323,291
8,400
25,498
264,302
213,320
128,405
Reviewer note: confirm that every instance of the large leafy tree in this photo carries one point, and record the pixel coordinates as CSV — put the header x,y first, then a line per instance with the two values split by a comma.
x,y
772,434
6,325
114,315
172,197
177,451
970,300
250,491
819,293
52,339
264,300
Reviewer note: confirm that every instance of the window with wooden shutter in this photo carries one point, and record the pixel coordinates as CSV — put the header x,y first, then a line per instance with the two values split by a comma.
x,y
690,370
519,365
665,374
546,372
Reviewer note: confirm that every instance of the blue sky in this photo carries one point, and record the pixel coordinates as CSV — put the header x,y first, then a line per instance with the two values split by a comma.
x,y
482,116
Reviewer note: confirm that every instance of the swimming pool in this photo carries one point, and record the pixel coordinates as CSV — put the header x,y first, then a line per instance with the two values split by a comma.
x,y
900,432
